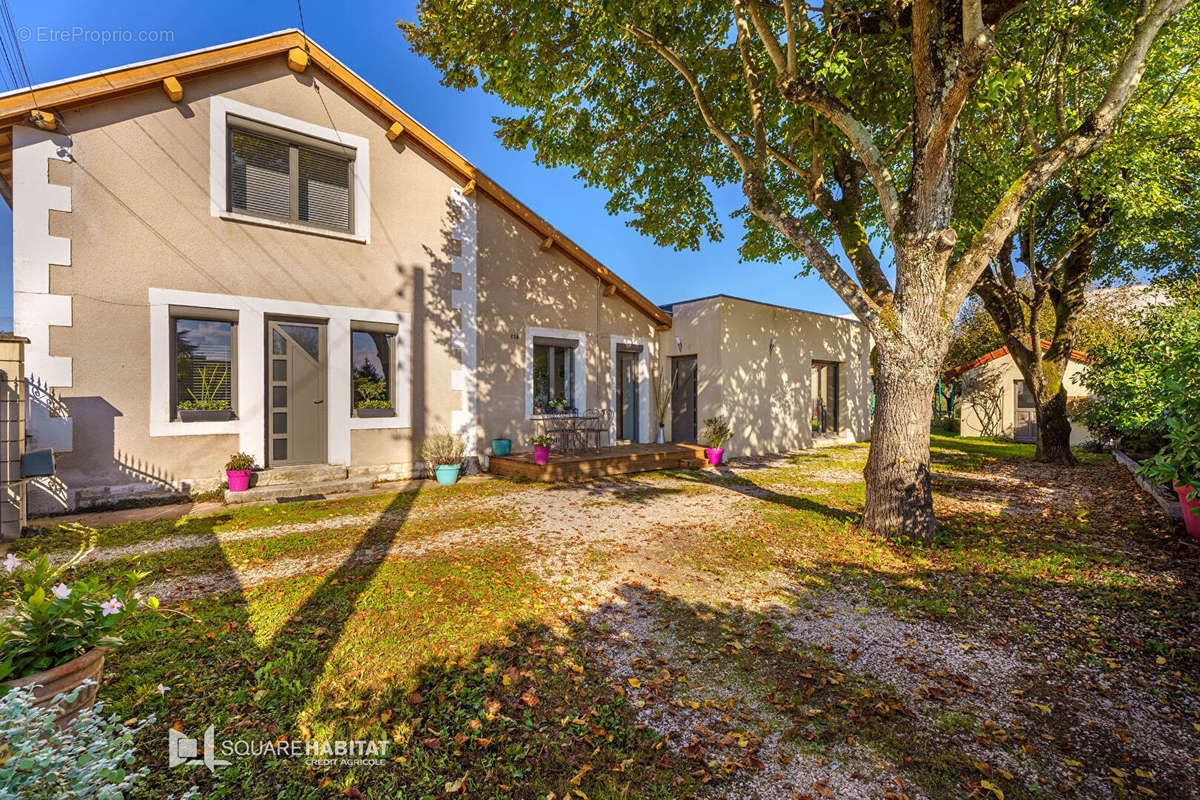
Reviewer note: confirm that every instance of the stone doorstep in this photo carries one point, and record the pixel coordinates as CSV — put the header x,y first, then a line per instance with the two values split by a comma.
x,y
315,490
315,473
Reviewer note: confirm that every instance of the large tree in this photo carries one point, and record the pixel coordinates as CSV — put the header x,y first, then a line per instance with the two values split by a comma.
x,y
840,121
1130,210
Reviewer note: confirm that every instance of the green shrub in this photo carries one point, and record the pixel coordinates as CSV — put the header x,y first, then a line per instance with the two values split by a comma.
x,y
716,433
53,621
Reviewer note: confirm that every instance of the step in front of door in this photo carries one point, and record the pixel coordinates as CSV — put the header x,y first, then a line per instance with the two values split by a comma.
x,y
312,490
315,473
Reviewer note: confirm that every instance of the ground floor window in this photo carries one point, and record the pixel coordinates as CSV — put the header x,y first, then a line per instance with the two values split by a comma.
x,y
553,375
203,355
825,397
372,361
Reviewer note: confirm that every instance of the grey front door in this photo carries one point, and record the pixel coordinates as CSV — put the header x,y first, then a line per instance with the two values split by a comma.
x,y
297,417
627,396
683,398
1024,414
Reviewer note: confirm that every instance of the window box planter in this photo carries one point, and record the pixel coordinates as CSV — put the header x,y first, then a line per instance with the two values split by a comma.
x,y
366,413
65,678
447,474
205,414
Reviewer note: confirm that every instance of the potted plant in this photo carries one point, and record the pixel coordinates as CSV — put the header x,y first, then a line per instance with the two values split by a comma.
x,y
541,448
716,434
662,398
560,406
209,405
1178,463
237,471
501,447
57,632
371,393
444,452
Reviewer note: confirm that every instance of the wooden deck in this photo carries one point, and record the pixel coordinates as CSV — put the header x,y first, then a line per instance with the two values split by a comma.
x,y
618,460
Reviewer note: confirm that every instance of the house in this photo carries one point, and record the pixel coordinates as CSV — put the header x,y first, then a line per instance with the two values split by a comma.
x,y
785,379
995,402
249,248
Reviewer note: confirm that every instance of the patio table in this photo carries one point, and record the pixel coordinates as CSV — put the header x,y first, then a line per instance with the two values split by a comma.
x,y
564,427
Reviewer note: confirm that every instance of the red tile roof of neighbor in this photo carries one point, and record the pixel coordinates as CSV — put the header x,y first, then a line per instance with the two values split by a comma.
x,y
1000,352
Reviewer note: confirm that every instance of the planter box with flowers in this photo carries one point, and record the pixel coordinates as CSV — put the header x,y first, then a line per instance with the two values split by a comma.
x,y
57,632
541,448
237,471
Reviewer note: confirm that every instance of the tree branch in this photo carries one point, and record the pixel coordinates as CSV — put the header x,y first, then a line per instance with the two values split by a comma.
x,y
810,93
1085,140
756,108
672,58
768,38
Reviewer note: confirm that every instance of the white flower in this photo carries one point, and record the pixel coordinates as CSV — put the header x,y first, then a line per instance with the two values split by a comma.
x,y
11,562
61,591
162,689
111,606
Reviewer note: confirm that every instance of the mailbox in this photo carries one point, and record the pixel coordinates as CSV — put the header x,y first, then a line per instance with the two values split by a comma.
x,y
37,464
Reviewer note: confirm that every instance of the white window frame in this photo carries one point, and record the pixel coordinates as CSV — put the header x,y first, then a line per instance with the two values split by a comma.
x,y
580,366
250,422
221,108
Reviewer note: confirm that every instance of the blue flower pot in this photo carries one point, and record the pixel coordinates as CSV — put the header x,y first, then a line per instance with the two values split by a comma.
x,y
501,447
447,474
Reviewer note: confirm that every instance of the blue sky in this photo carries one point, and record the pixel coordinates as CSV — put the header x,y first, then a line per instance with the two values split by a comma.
x,y
64,39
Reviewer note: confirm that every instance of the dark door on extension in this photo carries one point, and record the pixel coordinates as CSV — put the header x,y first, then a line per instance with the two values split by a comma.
x,y
627,393
1024,414
297,422
683,398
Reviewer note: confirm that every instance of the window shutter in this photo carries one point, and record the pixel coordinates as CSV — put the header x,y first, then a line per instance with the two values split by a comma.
x,y
324,189
259,177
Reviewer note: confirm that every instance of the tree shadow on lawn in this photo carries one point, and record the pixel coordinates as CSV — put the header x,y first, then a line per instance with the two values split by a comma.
x,y
262,662
726,478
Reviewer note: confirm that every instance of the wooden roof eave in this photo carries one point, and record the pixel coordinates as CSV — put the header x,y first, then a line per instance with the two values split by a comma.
x,y
99,87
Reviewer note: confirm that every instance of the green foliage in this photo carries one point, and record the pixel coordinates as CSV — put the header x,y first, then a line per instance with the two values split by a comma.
x,y
1137,380
716,432
52,621
239,462
1178,463
370,388
442,448
91,758
542,440
212,381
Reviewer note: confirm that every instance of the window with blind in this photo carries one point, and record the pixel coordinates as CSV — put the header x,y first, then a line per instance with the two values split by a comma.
x,y
292,179
203,352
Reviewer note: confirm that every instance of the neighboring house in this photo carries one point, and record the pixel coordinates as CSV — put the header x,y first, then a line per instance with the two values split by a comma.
x,y
785,379
249,248
995,402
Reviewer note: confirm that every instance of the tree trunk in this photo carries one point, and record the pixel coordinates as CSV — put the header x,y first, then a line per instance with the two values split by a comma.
x,y
1054,431
899,501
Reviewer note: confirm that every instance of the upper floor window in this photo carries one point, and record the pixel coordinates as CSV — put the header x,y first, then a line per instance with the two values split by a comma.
x,y
281,175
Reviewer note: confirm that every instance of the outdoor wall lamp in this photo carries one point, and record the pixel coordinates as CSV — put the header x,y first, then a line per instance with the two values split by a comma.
x,y
678,344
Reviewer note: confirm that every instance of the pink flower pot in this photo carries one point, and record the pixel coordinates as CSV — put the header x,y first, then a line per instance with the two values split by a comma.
x,y
1191,511
239,479
714,456
541,454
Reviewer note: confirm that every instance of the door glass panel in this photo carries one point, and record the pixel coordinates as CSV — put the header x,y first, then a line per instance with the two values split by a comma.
x,y
279,449
278,343
279,422
308,337
279,369
279,396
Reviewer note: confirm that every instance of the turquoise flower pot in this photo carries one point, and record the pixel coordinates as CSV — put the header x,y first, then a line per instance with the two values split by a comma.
x,y
501,447
447,474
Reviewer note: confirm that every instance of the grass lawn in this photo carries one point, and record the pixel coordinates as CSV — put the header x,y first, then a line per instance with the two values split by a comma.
x,y
677,634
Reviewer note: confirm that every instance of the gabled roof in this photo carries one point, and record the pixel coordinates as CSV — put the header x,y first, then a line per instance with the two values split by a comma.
x,y
670,307
17,107
1000,352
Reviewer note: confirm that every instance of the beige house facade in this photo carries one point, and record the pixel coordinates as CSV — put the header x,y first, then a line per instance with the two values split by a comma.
x,y
785,379
995,402
250,249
